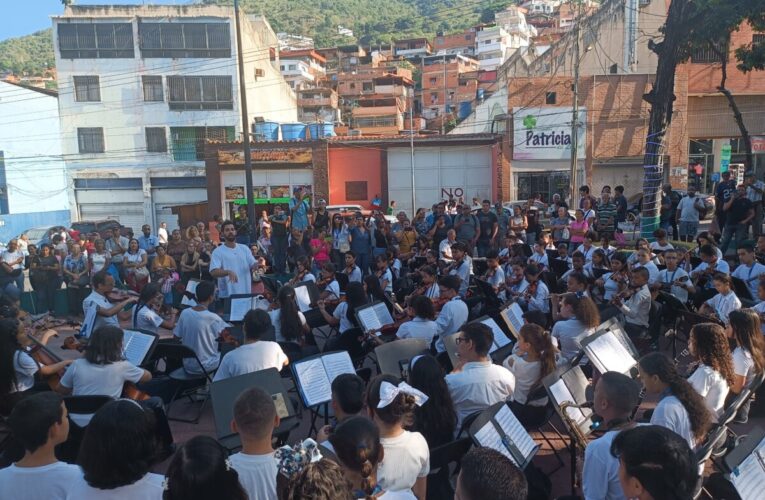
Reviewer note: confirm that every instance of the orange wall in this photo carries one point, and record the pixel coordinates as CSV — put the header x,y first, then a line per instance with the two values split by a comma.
x,y
355,164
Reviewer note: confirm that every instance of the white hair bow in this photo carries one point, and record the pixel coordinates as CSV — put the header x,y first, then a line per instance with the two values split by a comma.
x,y
388,393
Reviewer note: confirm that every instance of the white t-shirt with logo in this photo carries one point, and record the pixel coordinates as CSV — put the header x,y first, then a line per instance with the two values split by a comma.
x,y
200,330
250,358
406,458
257,474
149,487
48,482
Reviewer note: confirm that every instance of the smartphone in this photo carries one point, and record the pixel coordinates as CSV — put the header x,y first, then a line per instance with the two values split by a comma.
x,y
281,405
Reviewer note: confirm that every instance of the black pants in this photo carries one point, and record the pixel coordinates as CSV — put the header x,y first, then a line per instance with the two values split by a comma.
x,y
46,294
75,295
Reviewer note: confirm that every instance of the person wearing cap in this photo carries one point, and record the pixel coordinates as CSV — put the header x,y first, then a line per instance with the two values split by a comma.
x,y
754,190
299,209
321,216
255,354
723,194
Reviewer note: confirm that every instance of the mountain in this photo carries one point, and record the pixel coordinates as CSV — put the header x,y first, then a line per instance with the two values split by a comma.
x,y
372,22
31,54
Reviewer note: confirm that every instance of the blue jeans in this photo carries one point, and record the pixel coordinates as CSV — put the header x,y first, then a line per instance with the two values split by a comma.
x,y
483,247
362,260
279,250
740,232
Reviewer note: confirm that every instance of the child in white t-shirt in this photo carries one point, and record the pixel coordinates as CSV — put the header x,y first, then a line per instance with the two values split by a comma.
x,y
534,360
406,461
39,423
201,468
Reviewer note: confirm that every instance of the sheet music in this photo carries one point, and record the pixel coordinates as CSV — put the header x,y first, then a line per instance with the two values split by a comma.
x,y
610,354
500,339
368,319
488,437
315,386
514,317
303,298
561,394
336,364
135,346
515,432
191,287
240,307
749,477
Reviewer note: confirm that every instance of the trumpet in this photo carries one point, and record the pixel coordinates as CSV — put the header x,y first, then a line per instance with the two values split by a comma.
x,y
579,440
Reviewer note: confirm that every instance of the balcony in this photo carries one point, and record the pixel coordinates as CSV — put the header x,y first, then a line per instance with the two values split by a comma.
x,y
317,102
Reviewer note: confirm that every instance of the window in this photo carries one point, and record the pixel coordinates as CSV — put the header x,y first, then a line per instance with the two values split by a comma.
x,y
352,86
189,142
368,87
709,53
200,92
434,98
281,67
156,140
95,40
183,40
433,80
91,139
356,190
614,69
758,38
551,97
86,89
293,67
152,89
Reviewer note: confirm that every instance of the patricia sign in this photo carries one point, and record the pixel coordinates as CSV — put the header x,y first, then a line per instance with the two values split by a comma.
x,y
545,133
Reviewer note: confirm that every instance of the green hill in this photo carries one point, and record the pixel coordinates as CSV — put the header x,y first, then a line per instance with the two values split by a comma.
x,y
372,21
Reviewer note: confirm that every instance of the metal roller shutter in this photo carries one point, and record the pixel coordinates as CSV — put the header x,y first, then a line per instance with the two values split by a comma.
x,y
128,214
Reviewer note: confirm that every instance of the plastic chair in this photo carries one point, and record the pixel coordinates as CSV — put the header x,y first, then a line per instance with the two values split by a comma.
x,y
186,384
391,354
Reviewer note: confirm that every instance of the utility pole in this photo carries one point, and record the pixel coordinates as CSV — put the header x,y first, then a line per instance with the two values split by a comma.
x,y
445,104
411,148
575,115
245,121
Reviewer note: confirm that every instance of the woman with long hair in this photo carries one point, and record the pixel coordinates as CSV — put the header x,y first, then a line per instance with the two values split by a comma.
x,y
714,374
579,318
44,276
744,330
289,322
17,366
436,420
134,263
201,470
75,270
681,408
189,263
144,314
356,442
374,291
530,363
615,281
344,317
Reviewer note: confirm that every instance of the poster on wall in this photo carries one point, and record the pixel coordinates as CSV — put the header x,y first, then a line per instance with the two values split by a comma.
x,y
280,192
260,192
234,192
545,133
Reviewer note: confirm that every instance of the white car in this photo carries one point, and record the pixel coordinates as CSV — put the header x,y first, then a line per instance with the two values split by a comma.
x,y
347,210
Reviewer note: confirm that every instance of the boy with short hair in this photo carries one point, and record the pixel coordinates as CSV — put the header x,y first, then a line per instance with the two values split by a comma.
x,y
39,422
255,419
347,401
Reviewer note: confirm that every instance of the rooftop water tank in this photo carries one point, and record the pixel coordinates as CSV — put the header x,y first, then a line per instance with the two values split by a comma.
x,y
319,130
266,131
465,109
293,131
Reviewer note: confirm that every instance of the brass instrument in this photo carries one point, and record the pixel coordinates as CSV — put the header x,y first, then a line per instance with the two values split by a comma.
x,y
578,441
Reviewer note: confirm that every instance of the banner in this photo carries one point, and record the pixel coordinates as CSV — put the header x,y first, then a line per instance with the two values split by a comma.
x,y
545,133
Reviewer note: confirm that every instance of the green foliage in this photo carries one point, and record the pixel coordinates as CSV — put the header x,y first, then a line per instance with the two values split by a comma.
x,y
372,22
31,54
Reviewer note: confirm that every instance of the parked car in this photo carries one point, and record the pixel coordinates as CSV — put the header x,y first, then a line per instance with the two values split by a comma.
x,y
100,227
635,203
43,234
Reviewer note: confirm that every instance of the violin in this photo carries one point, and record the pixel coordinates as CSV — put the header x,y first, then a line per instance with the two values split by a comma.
x,y
322,283
624,295
531,290
298,278
43,357
227,338
117,295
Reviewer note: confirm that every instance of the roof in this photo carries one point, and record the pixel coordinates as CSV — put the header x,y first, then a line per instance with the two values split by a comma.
x,y
48,92
289,54
376,139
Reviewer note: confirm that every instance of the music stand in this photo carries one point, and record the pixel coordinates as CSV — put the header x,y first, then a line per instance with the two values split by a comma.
x,y
745,464
741,289
227,305
598,273
569,385
224,392
450,344
690,319
613,325
674,304
271,283
514,442
501,347
480,266
551,255
492,301
391,355
607,353
559,267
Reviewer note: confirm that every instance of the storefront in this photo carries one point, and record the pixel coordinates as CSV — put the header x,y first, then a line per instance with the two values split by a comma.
x,y
541,147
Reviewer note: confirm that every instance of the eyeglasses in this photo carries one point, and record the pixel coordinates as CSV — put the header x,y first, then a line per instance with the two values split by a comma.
x,y
461,340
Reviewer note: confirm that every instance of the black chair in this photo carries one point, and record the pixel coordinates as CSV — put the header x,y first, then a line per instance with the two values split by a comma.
x,y
704,452
467,422
342,281
77,406
654,320
187,385
441,459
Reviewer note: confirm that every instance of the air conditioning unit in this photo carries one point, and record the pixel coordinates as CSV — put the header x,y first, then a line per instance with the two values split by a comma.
x,y
259,73
354,133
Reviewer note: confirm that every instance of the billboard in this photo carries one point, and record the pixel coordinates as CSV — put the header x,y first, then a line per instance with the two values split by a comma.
x,y
545,133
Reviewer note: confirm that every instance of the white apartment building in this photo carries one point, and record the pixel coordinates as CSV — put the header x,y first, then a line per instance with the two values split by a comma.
x,y
494,45
142,88
302,68
33,184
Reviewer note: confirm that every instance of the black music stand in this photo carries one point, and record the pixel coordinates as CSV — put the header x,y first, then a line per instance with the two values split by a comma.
x,y
570,385
741,289
480,266
487,417
491,302
227,306
677,307
391,355
224,392
559,267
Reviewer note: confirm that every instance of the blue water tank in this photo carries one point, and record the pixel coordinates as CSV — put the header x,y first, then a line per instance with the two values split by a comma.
x,y
319,130
293,131
266,131
465,109
479,94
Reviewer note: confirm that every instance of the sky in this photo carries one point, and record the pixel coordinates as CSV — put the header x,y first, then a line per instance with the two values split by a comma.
x,y
23,18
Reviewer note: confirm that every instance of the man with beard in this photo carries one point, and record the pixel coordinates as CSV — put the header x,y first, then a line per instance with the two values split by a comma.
x,y
616,396
232,264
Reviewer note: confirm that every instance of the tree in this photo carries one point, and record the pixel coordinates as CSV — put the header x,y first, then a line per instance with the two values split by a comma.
x,y
692,25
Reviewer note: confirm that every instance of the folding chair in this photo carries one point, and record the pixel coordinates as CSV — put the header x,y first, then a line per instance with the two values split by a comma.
x,y
186,384
390,355
467,422
441,458
78,407
704,453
